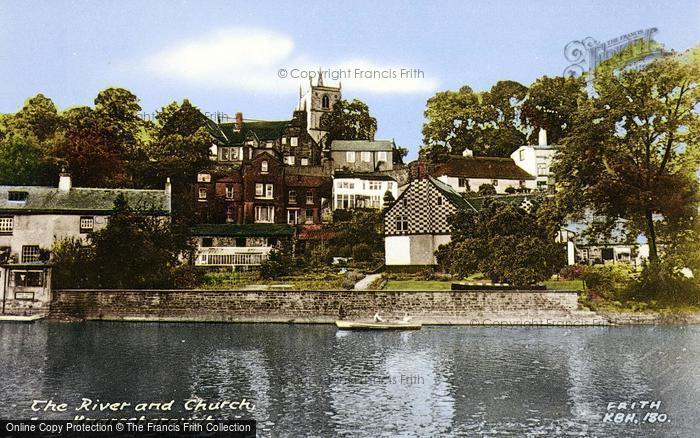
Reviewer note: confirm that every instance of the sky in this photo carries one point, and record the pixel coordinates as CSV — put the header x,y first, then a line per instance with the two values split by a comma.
x,y
227,56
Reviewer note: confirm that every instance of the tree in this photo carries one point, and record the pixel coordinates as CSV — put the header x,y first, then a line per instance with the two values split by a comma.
x,y
388,200
39,117
551,105
23,161
489,123
135,250
633,151
363,227
504,242
487,190
349,121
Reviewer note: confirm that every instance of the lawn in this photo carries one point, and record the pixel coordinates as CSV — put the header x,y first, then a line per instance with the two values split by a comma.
x,y
564,284
417,285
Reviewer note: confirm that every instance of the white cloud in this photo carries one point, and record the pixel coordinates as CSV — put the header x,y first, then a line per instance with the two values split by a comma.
x,y
251,59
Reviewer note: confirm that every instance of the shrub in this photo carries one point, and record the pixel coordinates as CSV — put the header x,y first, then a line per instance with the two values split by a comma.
x,y
572,272
610,281
362,253
277,265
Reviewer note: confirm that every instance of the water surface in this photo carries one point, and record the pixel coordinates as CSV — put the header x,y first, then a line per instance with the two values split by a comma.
x,y
311,380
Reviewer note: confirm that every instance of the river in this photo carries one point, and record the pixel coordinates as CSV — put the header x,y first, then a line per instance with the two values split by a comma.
x,y
301,380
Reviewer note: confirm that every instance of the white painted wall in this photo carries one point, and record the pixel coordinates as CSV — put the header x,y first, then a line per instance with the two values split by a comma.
x,y
529,159
475,183
397,250
361,188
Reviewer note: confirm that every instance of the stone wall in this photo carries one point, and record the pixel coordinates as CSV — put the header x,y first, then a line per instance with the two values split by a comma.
x,y
305,306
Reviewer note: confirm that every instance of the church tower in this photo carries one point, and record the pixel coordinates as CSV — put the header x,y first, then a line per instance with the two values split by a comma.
x,y
318,100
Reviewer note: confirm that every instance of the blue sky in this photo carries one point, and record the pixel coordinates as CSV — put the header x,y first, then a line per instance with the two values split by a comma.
x,y
224,55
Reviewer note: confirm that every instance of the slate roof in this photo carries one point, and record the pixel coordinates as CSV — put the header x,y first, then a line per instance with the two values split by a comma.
x,y
242,230
78,200
481,167
361,145
451,194
306,180
515,199
226,133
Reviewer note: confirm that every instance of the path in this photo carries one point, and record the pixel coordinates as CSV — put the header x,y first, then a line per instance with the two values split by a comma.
x,y
366,282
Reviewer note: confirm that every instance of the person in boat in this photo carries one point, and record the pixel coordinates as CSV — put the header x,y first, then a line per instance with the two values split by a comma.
x,y
378,318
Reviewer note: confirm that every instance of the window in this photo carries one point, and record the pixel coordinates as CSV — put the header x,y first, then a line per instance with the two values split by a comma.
x,y
402,223
325,102
405,202
494,182
350,156
522,184
265,214
87,224
234,153
28,278
522,155
229,192
263,166
284,140
259,189
230,212
17,196
225,154
375,201
292,196
268,144
304,161
541,169
30,253
366,156
292,217
375,185
344,202
268,190
6,225
289,160
463,182
389,185
293,141
309,217
381,156
202,194
346,185
309,196
204,177
439,200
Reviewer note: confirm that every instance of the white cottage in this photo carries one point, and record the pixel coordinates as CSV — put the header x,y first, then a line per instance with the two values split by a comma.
x,y
362,190
537,160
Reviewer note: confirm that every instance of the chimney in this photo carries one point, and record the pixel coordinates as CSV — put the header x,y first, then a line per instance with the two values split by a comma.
x,y
168,195
543,137
467,153
239,121
64,182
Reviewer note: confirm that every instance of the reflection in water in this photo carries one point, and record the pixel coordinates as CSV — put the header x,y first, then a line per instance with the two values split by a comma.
x,y
313,380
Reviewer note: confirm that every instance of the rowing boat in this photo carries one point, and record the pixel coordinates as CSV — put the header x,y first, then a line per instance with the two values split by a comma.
x,y
355,325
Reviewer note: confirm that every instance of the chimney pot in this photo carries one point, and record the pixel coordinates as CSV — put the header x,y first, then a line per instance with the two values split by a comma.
x,y
239,120
543,137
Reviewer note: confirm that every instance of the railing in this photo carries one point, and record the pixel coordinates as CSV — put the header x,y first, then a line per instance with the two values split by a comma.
x,y
232,256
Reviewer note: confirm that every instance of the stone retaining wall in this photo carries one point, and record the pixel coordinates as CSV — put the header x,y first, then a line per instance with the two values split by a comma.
x,y
303,306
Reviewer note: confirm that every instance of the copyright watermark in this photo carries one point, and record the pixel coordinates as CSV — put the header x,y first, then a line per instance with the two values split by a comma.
x,y
336,74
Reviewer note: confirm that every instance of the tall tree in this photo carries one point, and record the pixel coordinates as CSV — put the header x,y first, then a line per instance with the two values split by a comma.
x,y
489,123
551,105
633,150
349,121
38,117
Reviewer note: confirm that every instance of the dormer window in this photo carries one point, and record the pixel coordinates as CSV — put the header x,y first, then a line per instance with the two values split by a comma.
x,y
17,196
263,166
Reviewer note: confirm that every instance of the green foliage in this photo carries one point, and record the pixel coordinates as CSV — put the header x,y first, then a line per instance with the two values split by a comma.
x,y
23,161
633,152
349,121
280,263
487,190
610,281
504,242
666,284
552,104
132,251
359,234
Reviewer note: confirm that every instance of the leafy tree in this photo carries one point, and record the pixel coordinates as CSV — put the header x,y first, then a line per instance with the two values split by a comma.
x,y
489,123
349,121
23,161
633,151
551,104
117,115
39,118
388,200
487,190
504,242
134,250
364,226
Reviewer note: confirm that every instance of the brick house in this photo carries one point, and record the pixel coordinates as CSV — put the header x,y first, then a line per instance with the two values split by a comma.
x,y
307,198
